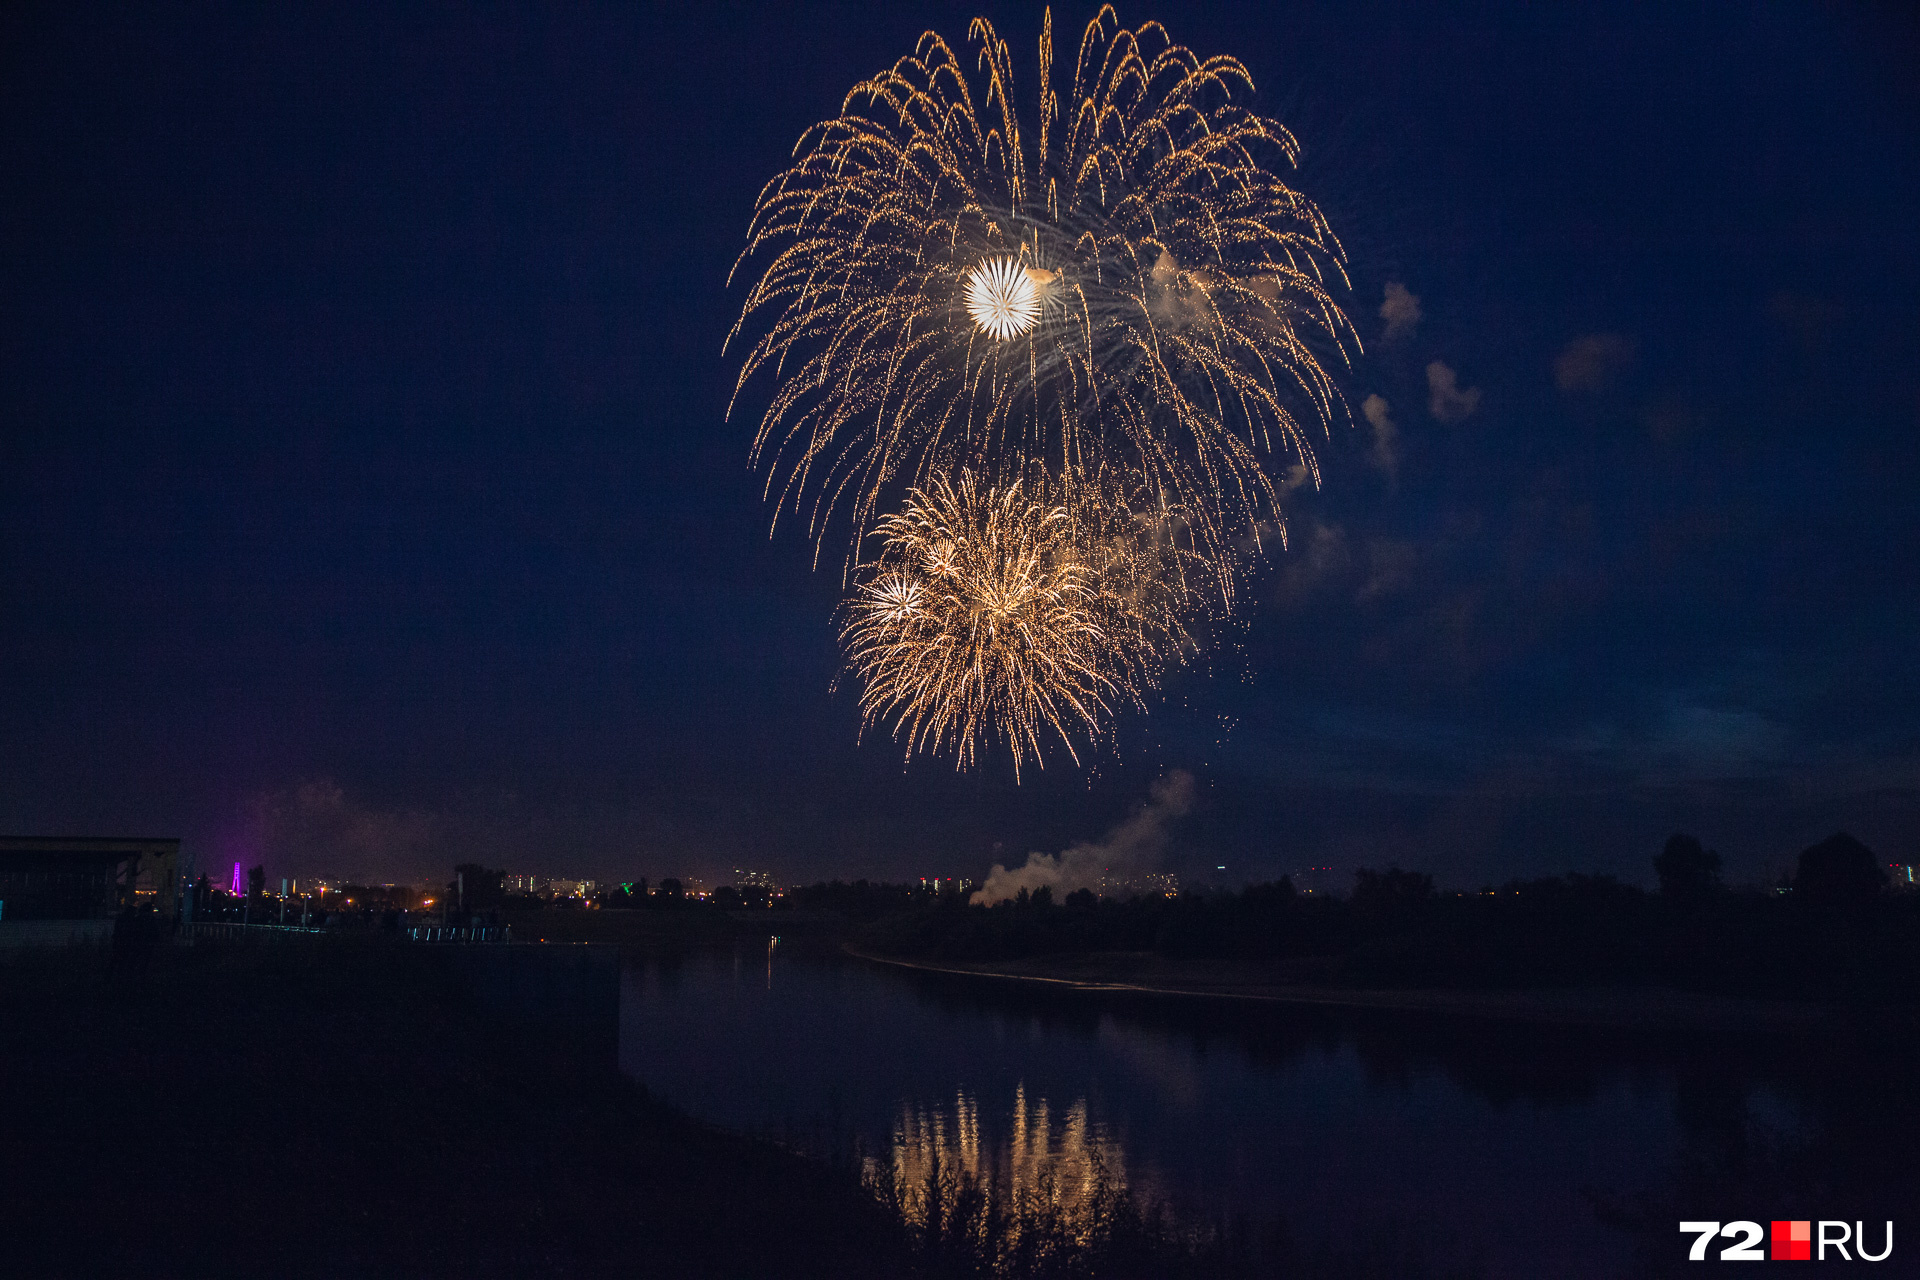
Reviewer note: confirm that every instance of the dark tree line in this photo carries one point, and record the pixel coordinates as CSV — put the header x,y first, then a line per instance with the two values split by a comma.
x,y
1834,930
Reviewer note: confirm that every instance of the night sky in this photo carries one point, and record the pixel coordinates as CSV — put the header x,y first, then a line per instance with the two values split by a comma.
x,y
368,503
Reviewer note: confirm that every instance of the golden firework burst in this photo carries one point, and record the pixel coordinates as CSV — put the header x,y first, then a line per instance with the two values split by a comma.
x,y
1118,304
995,612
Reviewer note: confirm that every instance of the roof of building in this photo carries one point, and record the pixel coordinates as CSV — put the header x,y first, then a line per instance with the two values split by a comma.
x,y
86,848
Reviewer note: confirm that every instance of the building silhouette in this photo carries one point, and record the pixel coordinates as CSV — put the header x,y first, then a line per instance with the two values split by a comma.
x,y
57,889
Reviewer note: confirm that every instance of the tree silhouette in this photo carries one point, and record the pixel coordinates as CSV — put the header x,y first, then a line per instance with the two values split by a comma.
x,y
1687,869
1392,892
1838,869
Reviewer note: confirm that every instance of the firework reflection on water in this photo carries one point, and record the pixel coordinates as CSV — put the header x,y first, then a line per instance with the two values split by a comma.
x,y
1057,1174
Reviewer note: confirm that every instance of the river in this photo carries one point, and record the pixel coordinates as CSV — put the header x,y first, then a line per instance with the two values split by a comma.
x,y
1478,1144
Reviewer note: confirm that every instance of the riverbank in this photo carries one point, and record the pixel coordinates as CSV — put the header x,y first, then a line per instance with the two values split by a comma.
x,y
346,1108
633,930
693,925
1148,974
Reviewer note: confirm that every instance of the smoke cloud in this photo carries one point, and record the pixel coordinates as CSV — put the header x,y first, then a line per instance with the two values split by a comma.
x,y
1591,363
1447,400
1136,845
1401,311
317,828
1386,435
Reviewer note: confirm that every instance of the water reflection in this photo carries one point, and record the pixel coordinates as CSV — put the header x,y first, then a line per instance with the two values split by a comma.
x,y
964,1102
1058,1165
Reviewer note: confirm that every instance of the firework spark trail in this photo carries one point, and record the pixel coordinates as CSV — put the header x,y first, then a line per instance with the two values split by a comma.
x,y
1121,310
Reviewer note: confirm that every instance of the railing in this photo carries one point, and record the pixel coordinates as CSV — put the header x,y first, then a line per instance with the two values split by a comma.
x,y
495,933
223,931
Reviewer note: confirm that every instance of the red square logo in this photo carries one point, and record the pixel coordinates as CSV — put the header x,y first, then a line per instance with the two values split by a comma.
x,y
1792,1242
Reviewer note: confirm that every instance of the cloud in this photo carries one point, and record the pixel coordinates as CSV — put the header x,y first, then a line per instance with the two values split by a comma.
x,y
1697,741
1669,421
1320,553
1401,311
1591,362
1446,399
316,828
1391,567
1735,724
1135,846
1811,321
1386,436
1326,558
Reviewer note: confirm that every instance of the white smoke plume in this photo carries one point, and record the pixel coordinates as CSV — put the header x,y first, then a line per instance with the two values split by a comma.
x,y
1135,846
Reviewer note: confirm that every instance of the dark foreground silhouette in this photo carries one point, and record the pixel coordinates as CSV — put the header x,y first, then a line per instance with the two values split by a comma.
x,y
354,1106
366,1110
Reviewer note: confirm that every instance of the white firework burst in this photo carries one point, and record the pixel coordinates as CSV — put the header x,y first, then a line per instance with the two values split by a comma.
x,y
1002,298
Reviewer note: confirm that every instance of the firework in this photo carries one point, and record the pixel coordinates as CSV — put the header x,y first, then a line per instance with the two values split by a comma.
x,y
1002,298
995,613
1128,288
1056,369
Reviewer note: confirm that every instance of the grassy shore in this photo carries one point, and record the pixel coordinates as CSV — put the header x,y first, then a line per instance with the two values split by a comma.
x,y
350,1109
1146,973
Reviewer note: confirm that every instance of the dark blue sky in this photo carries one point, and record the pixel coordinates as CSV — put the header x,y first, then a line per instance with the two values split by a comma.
x,y
368,500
